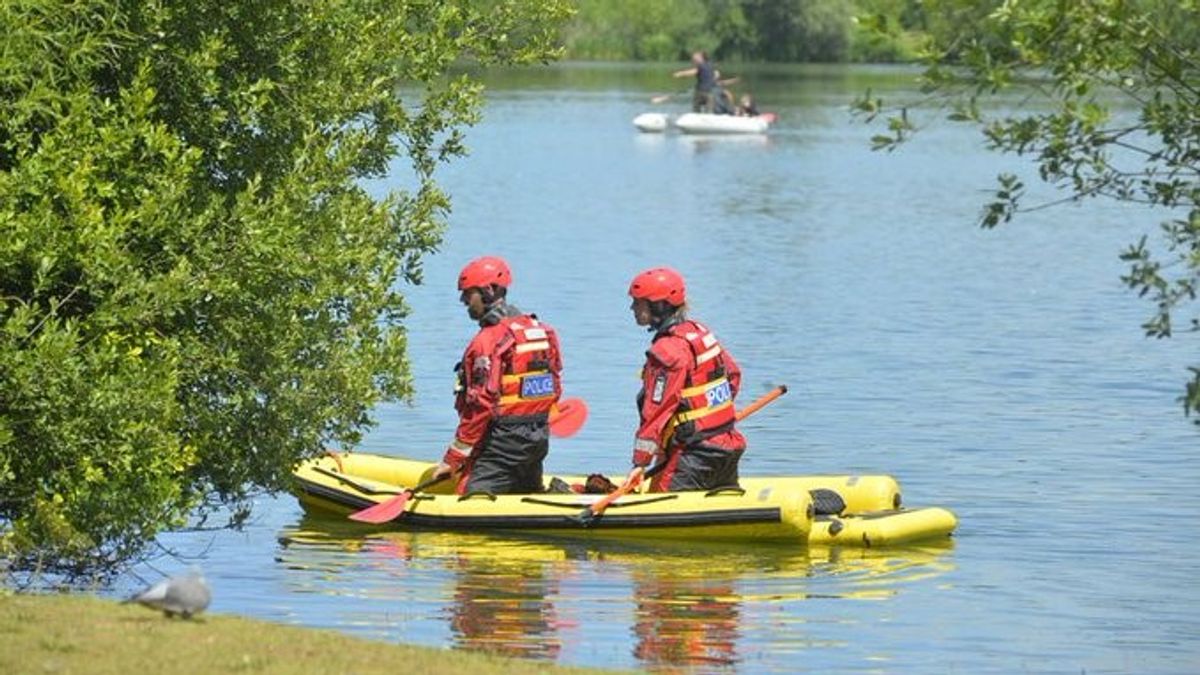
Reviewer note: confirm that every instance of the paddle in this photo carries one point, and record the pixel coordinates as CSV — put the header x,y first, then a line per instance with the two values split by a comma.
x,y
667,97
565,419
761,401
391,509
567,416
591,512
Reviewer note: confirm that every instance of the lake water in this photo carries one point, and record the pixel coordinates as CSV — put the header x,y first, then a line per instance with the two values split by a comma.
x,y
1000,374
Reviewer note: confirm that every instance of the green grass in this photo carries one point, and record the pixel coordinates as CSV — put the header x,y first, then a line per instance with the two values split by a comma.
x,y
84,634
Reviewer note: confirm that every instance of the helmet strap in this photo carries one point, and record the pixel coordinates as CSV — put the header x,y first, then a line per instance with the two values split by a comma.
x,y
494,304
663,315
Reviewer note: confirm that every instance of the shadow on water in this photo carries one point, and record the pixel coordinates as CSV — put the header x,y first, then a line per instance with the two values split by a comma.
x,y
678,605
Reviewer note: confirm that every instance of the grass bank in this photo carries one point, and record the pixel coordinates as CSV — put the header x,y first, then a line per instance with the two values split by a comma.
x,y
83,634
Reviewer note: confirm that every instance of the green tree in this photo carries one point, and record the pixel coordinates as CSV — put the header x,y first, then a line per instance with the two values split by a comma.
x,y
195,290
768,30
800,30
886,31
1086,64
662,30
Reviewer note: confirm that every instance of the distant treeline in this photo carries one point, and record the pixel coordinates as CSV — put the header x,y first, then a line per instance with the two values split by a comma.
x,y
827,31
823,31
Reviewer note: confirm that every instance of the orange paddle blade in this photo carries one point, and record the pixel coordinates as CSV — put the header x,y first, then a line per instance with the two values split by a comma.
x,y
384,511
393,508
568,416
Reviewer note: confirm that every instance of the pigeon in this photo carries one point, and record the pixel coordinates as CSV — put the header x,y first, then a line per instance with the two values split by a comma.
x,y
185,595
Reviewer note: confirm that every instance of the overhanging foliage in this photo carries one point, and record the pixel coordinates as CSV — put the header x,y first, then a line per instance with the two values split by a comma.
x,y
195,291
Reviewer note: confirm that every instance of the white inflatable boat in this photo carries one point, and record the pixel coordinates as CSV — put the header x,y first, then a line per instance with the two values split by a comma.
x,y
651,122
704,123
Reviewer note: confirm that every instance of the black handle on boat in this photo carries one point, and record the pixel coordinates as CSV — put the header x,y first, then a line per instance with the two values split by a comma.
x,y
365,489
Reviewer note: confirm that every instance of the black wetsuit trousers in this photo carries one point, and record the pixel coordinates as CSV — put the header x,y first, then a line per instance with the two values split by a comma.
x,y
510,461
705,468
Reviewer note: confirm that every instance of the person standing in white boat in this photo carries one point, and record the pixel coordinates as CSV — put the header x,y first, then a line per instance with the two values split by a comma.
x,y
706,81
710,94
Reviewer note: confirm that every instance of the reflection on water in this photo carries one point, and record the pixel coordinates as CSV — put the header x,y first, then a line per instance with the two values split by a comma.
x,y
694,144
697,144
685,620
684,605
502,597
506,609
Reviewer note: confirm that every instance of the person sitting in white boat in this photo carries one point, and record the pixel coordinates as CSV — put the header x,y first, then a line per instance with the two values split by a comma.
x,y
747,107
723,99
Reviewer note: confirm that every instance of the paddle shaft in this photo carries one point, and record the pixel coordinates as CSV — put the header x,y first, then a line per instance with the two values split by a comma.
x,y
426,484
762,401
661,98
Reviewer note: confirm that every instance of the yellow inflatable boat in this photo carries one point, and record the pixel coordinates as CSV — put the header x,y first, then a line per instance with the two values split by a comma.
x,y
848,510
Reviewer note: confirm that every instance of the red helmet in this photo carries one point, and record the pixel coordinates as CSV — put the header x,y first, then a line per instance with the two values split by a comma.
x,y
659,283
484,272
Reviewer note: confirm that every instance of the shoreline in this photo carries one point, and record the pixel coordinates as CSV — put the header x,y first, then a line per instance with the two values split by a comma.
x,y
88,634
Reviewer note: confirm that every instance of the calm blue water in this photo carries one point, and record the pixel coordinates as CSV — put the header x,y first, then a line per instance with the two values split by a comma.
x,y
1000,374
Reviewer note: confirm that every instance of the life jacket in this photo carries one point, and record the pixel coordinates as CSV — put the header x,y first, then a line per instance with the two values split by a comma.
x,y
529,380
706,402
